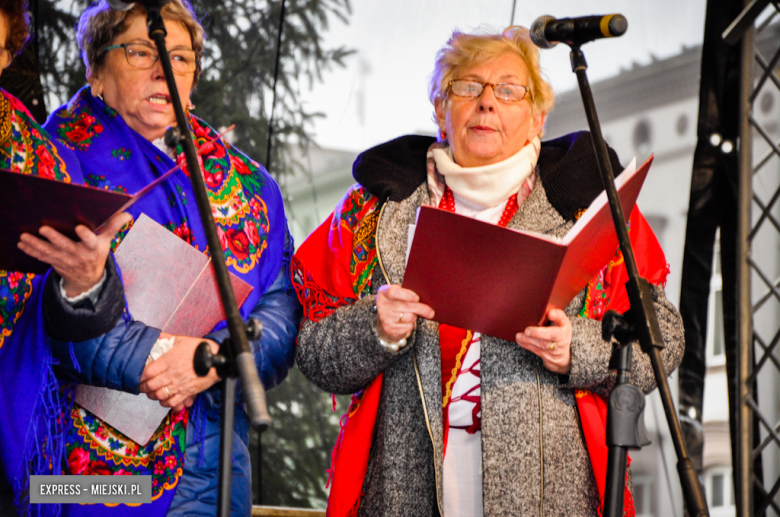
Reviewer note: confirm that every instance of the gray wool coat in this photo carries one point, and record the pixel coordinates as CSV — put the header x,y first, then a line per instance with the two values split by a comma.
x,y
534,459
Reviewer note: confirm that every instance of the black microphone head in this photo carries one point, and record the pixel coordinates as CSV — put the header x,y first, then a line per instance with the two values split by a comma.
x,y
617,25
537,32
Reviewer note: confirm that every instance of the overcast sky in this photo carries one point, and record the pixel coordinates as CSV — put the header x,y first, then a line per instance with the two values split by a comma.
x,y
382,93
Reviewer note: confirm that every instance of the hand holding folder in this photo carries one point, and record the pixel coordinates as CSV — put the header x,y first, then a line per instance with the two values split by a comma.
x,y
498,281
29,202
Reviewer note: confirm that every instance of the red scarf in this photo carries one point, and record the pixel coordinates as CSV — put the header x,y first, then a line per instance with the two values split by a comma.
x,y
335,265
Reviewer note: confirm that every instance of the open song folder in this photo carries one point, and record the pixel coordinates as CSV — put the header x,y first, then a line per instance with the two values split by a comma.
x,y
498,281
169,285
29,202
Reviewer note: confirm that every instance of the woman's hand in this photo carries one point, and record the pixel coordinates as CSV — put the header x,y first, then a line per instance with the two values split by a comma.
x,y
172,380
397,310
80,264
552,344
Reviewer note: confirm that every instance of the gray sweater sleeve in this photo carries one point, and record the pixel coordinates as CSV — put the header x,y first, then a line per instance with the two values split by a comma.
x,y
341,353
590,354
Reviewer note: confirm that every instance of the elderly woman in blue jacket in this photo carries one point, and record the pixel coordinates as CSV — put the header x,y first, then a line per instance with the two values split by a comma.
x,y
115,127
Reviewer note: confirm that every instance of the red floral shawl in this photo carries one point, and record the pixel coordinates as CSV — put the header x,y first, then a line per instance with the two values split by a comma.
x,y
334,266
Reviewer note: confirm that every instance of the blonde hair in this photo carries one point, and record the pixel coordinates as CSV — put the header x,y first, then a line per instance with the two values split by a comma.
x,y
99,25
467,50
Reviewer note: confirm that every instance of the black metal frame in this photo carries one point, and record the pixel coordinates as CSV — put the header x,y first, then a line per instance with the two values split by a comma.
x,y
755,493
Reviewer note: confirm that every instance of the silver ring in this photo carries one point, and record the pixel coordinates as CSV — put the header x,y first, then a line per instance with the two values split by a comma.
x,y
168,392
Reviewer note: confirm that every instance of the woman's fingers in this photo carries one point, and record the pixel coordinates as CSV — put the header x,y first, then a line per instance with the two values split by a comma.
x,y
395,300
88,239
113,225
39,248
57,241
396,293
171,379
80,263
397,311
551,343
558,318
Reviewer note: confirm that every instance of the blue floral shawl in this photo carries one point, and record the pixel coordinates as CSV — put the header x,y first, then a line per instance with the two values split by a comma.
x,y
30,401
248,211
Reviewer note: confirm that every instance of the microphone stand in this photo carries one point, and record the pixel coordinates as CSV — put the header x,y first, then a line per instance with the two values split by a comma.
x,y
235,356
625,428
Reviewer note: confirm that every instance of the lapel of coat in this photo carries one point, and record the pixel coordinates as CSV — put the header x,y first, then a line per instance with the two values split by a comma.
x,y
392,244
536,214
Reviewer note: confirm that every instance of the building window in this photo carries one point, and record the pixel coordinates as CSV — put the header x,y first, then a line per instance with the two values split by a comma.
x,y
642,137
682,124
642,495
766,103
719,491
716,343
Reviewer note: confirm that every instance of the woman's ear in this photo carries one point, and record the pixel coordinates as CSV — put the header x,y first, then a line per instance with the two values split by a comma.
x,y
537,123
441,113
95,83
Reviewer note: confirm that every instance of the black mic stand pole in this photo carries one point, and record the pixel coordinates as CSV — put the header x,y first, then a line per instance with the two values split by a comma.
x,y
624,408
235,356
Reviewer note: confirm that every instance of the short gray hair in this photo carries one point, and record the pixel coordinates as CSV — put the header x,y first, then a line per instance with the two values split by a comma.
x,y
99,25
467,50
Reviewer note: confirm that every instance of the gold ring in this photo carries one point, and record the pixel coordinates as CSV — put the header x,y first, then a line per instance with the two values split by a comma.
x,y
552,346
400,317
168,392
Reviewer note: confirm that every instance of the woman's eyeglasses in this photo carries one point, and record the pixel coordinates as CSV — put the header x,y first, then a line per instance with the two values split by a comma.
x,y
506,92
143,56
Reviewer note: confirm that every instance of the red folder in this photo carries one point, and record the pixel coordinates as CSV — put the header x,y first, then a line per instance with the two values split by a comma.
x,y
29,202
498,281
171,286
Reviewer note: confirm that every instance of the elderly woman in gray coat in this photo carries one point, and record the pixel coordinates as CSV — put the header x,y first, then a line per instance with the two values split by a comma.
x,y
445,420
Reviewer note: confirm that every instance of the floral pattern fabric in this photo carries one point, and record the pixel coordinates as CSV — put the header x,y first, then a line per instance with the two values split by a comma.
x,y
27,149
102,450
248,212
329,281
30,401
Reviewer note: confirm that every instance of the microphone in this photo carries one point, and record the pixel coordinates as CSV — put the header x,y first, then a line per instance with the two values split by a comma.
x,y
547,31
120,5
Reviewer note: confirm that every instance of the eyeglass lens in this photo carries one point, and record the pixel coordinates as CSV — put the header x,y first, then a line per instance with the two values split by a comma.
x,y
143,56
503,91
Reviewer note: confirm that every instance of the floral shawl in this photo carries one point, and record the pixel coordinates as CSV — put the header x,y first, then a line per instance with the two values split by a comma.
x,y
29,396
248,210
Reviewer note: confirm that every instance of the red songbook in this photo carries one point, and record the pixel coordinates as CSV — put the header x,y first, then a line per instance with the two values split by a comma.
x,y
29,202
498,281
169,285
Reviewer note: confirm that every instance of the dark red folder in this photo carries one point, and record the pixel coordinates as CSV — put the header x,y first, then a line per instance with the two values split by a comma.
x,y
499,281
29,202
